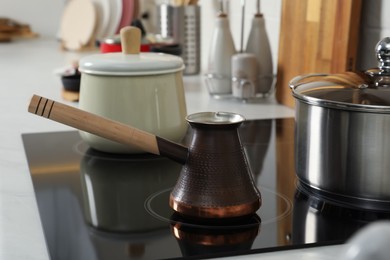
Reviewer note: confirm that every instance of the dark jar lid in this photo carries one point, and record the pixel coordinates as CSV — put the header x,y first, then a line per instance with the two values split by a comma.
x,y
367,91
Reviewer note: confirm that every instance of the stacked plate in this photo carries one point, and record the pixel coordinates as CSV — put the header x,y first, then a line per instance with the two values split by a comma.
x,y
84,21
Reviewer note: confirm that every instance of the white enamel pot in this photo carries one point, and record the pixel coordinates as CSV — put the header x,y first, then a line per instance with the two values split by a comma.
x,y
144,90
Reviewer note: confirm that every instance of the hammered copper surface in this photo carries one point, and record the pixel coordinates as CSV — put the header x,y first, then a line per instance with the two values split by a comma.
x,y
216,181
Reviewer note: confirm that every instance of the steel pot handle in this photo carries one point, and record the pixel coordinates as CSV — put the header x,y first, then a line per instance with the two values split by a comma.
x,y
296,81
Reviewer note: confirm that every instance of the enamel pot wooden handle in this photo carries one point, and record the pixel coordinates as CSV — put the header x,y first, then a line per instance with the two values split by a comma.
x,y
106,128
130,40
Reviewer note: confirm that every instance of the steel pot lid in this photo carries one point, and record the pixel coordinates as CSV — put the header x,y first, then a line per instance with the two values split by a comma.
x,y
130,62
367,91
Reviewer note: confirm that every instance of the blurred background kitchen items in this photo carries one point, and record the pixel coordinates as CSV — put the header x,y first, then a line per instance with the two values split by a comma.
x,y
11,29
71,86
113,44
258,44
73,34
144,90
321,37
218,77
70,77
238,82
244,75
101,19
180,20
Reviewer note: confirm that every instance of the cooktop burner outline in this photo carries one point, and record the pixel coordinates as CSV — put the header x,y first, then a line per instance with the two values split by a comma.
x,y
203,223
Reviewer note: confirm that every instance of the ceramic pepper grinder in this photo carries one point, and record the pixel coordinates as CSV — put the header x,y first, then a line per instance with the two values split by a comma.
x,y
244,67
220,53
258,44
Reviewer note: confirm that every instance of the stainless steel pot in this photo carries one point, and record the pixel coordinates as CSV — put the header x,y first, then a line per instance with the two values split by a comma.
x,y
342,132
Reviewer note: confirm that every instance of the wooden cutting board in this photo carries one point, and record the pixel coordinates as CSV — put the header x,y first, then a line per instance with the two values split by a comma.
x,y
316,36
78,25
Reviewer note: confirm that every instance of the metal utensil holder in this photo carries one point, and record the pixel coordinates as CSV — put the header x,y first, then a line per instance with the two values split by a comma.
x,y
182,24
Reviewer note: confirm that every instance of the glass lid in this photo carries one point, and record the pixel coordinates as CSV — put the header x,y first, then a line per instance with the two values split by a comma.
x,y
362,91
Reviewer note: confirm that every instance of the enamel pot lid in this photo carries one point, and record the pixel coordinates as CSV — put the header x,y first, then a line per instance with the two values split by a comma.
x,y
367,91
130,62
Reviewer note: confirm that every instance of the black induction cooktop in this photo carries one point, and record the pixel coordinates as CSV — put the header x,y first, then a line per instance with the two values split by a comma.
x,y
96,205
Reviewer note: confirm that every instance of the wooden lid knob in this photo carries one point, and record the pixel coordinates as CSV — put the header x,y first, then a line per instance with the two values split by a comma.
x,y
130,40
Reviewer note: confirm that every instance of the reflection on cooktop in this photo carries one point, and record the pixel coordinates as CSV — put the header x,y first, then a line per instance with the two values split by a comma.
x,y
157,207
197,237
115,188
319,220
96,205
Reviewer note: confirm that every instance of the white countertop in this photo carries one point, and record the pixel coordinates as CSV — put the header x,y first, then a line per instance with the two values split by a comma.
x,y
26,68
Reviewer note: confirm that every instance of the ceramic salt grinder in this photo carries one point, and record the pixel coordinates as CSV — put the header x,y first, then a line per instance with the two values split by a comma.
x,y
220,53
258,44
244,75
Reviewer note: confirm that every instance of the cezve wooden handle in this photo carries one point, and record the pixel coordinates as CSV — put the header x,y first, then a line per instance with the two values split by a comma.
x,y
106,128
